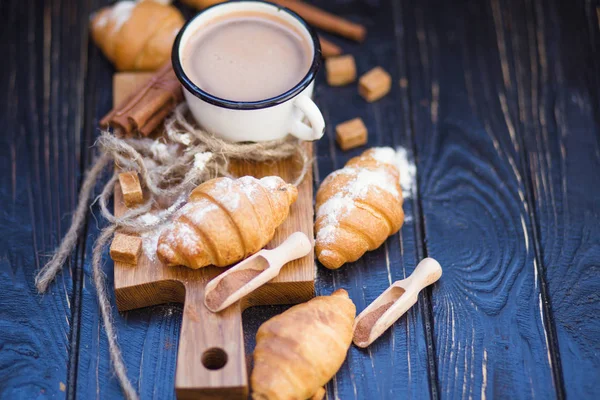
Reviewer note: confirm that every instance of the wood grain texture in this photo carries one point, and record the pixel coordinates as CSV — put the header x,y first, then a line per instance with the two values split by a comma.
x,y
43,72
498,102
403,349
149,337
490,327
561,138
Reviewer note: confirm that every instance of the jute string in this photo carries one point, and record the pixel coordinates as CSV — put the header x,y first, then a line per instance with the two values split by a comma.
x,y
169,168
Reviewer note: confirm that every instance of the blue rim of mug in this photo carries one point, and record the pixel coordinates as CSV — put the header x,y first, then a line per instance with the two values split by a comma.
x,y
247,105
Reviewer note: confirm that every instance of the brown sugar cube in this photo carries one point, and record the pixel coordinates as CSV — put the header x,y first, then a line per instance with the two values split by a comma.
x,y
131,188
374,84
351,134
126,248
340,70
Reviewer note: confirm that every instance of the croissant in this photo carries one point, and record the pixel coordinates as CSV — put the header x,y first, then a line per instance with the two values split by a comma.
x,y
136,35
358,207
300,350
225,221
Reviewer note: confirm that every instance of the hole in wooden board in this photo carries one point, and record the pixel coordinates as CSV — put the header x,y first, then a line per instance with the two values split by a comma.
x,y
214,358
364,327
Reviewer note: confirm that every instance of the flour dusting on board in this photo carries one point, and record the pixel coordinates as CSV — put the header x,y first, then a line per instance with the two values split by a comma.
x,y
150,238
149,243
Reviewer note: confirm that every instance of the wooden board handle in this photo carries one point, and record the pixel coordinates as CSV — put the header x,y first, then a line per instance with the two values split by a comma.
x,y
211,361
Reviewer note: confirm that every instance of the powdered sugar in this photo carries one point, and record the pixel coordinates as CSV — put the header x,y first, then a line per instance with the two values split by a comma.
x,y
230,199
224,184
150,237
367,180
271,182
326,253
121,12
150,243
362,182
332,211
340,203
102,21
186,236
408,171
185,138
385,155
148,219
405,165
231,202
200,160
249,186
200,211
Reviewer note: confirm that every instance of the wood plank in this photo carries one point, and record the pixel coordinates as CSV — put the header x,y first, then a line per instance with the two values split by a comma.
x,y
562,146
43,77
490,332
149,336
398,362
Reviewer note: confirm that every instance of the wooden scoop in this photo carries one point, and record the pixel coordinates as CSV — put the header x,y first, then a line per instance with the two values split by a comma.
x,y
394,302
253,272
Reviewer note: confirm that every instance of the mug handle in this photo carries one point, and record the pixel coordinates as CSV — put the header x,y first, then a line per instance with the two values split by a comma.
x,y
311,111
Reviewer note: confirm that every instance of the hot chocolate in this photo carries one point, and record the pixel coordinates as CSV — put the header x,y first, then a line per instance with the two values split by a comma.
x,y
246,56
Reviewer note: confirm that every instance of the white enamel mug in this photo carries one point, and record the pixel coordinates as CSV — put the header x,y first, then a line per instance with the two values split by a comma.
x,y
253,121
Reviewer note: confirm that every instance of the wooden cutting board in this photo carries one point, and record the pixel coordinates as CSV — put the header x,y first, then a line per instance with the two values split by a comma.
x,y
211,359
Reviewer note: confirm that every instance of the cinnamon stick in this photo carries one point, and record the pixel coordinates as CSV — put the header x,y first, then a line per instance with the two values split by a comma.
x,y
315,16
145,109
329,49
324,20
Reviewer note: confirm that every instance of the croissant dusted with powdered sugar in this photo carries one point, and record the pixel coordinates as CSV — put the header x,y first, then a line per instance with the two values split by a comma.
x,y
358,207
225,221
136,36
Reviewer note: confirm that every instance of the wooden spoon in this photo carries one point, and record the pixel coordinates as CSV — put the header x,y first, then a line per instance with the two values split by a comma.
x,y
394,302
253,272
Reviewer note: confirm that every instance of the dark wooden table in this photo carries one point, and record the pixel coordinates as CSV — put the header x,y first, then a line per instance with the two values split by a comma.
x,y
497,103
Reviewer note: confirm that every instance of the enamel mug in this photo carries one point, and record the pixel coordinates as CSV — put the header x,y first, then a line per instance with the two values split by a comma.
x,y
253,121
